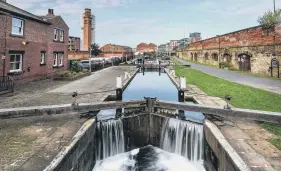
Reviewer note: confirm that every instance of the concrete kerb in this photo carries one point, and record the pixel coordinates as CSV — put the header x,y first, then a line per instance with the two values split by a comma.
x,y
234,157
172,79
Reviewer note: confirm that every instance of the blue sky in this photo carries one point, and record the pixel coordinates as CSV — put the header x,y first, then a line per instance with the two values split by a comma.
x,y
129,22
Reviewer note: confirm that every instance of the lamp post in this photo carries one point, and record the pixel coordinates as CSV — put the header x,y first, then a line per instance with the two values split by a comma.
x,y
274,6
219,48
90,59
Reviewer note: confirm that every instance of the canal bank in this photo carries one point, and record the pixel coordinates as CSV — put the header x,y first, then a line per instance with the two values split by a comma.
x,y
78,154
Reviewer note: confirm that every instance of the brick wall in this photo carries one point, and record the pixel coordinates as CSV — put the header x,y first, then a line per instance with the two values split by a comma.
x,y
37,37
256,44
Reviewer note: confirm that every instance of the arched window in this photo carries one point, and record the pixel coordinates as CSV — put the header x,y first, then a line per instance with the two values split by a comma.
x,y
215,57
227,58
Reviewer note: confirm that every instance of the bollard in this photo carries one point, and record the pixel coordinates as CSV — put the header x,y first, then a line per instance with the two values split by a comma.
x,y
119,90
181,90
119,95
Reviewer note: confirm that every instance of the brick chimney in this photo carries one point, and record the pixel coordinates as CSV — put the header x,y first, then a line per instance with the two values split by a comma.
x,y
51,12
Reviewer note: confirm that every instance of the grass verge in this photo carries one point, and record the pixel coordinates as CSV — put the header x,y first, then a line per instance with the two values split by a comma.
x,y
236,70
242,96
275,129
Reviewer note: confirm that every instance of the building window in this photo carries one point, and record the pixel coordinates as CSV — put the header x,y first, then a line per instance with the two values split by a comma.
x,y
61,35
60,59
17,26
43,58
56,34
15,62
55,60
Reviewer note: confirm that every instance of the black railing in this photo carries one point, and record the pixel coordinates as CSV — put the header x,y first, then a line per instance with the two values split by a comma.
x,y
6,84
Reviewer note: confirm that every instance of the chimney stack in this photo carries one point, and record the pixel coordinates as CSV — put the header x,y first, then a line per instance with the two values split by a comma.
x,y
51,11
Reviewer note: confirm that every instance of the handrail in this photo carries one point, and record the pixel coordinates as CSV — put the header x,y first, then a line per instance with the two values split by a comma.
x,y
207,110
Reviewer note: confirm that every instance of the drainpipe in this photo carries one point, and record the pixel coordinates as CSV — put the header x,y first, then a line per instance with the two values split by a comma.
x,y
219,48
119,95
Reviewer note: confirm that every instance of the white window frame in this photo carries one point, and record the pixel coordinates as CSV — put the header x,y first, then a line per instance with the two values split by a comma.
x,y
61,34
60,59
43,58
14,25
55,59
56,34
20,66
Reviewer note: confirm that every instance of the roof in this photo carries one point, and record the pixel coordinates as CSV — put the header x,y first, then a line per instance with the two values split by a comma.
x,y
4,6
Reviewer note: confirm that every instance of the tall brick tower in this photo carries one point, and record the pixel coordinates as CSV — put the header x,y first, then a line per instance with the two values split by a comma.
x,y
87,32
86,29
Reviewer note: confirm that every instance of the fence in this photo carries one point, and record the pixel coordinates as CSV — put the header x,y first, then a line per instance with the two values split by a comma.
x,y
6,84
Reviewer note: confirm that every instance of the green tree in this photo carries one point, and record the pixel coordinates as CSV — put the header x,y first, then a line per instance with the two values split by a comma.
x,y
95,49
269,19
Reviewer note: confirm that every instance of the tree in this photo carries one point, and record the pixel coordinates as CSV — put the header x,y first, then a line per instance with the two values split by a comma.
x,y
269,19
95,49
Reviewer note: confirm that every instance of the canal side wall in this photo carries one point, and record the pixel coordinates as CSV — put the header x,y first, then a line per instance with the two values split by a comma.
x,y
219,155
80,154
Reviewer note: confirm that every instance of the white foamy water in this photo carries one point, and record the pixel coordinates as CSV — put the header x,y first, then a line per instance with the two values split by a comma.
x,y
111,139
148,159
183,138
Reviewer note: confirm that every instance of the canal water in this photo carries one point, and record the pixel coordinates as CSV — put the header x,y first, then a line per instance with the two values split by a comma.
x,y
152,84
181,141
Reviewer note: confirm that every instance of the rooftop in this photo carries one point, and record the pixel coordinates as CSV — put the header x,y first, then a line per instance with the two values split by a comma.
x,y
6,7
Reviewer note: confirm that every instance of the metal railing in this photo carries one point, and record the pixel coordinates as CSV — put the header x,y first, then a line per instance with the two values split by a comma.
x,y
6,84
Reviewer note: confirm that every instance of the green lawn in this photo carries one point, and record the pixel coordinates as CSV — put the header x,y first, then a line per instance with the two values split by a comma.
x,y
242,96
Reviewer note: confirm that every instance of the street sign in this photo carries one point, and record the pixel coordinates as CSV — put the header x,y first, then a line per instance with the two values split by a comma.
x,y
274,63
3,57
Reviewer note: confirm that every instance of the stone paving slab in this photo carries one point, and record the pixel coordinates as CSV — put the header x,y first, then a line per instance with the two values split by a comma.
x,y
35,139
31,143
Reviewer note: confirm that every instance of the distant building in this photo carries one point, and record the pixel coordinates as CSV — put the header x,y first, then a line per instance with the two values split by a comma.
x,y
113,50
194,37
143,47
73,43
34,47
183,43
163,49
173,44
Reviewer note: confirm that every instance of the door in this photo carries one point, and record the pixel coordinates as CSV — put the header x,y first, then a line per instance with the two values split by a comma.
x,y
244,61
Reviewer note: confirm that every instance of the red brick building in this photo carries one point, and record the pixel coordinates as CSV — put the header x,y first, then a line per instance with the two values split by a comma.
x,y
32,47
143,47
112,50
251,49
74,43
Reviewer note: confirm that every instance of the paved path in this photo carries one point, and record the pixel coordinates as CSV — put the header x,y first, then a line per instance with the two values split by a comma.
x,y
257,82
92,88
